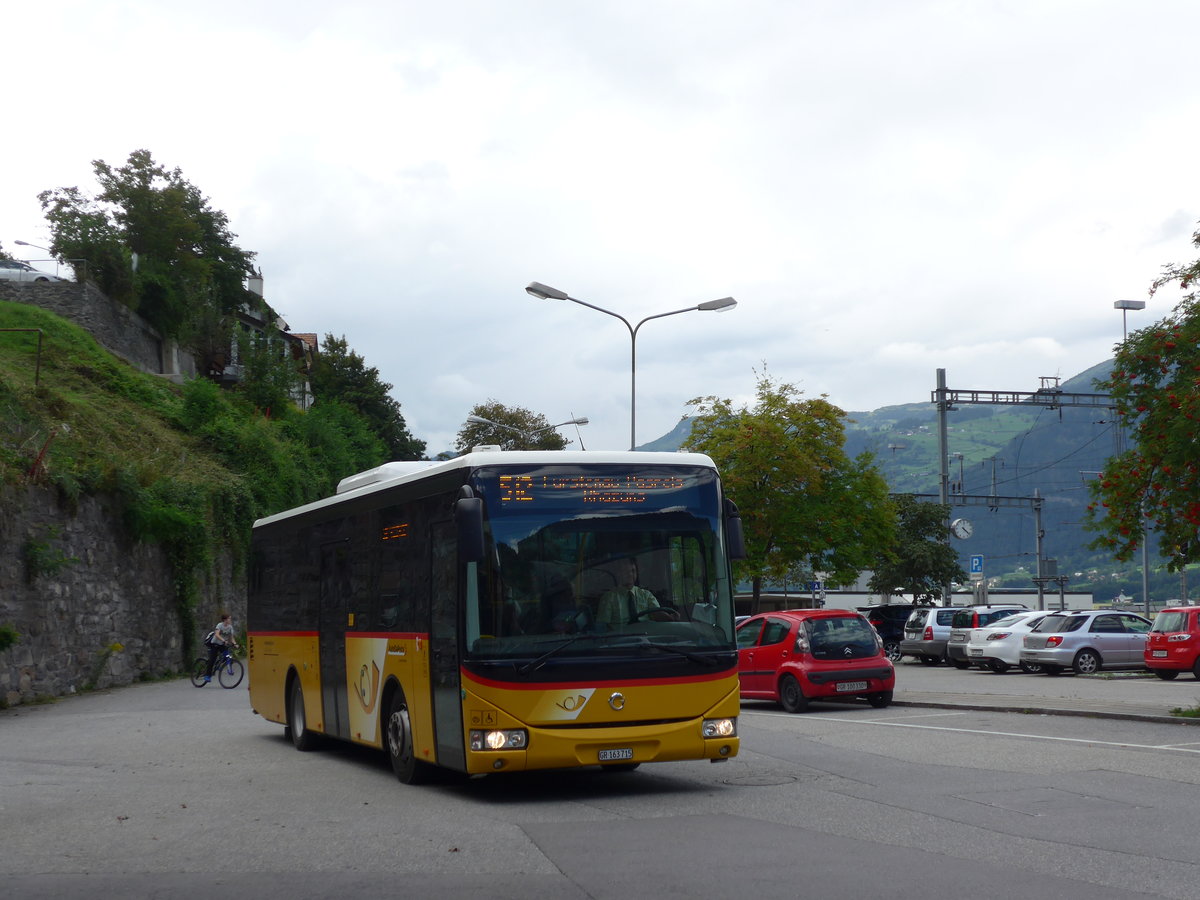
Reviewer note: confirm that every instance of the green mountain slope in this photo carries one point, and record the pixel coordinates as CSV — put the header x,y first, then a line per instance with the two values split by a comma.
x,y
1009,451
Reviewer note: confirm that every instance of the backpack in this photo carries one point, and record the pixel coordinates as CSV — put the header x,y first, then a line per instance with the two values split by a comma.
x,y
210,638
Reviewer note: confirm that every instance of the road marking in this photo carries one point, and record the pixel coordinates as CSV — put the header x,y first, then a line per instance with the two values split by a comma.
x,y
1013,734
934,715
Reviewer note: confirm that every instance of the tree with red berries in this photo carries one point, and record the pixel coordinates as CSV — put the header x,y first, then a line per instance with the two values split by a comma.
x,y
1155,383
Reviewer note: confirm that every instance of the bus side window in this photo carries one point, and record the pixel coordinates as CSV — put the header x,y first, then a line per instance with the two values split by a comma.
x,y
389,613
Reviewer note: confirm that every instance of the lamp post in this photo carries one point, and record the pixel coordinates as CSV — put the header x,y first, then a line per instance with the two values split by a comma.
x,y
545,292
528,435
1123,305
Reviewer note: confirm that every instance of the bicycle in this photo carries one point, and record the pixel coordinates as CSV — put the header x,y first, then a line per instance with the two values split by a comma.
x,y
226,667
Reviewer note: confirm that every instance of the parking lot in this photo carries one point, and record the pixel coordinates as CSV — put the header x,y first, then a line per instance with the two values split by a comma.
x,y
1116,694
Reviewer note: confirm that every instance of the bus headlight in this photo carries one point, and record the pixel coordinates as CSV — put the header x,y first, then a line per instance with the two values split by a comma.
x,y
511,739
718,728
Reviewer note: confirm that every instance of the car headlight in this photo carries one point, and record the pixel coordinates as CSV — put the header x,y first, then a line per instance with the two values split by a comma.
x,y
499,739
718,728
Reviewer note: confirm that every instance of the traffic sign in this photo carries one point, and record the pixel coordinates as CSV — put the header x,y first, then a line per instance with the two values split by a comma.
x,y
976,569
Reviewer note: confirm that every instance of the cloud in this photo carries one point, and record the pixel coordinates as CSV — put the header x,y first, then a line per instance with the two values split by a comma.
x,y
887,189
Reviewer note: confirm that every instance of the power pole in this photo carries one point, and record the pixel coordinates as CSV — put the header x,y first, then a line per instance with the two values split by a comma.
x,y
1048,396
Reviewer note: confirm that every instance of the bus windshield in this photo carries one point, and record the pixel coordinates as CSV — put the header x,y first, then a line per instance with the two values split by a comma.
x,y
597,559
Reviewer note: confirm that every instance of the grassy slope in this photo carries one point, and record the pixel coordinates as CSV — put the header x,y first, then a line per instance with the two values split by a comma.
x,y
102,419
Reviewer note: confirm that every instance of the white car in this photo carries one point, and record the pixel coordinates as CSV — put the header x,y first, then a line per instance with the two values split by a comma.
x,y
15,270
998,646
967,620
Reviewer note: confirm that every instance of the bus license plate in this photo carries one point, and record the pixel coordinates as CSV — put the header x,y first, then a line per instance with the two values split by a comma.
x,y
619,753
851,685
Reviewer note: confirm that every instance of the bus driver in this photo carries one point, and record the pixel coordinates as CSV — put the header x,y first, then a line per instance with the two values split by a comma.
x,y
626,603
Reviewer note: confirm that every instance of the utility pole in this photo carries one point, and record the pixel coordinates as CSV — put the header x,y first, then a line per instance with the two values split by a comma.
x,y
1048,396
944,468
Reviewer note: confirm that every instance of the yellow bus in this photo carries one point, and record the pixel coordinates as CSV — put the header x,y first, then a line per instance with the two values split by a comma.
x,y
476,614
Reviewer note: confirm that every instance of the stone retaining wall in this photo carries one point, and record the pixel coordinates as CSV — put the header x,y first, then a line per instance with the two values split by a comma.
x,y
91,589
114,326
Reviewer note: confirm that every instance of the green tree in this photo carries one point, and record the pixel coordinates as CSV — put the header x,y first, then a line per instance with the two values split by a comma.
x,y
270,379
919,560
340,441
803,501
526,430
341,374
1155,482
186,258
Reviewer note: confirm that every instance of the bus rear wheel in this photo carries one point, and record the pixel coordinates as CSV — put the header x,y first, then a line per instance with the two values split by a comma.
x,y
398,741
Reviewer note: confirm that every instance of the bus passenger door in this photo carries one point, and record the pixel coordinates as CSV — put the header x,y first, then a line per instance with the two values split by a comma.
x,y
335,602
443,647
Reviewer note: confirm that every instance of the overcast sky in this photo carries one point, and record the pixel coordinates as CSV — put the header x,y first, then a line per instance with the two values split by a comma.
x,y
886,188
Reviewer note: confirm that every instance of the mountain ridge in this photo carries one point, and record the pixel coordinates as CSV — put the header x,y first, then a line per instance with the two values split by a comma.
x,y
1006,451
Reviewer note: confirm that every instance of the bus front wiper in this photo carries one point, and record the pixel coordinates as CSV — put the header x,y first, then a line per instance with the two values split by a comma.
x,y
541,660
671,648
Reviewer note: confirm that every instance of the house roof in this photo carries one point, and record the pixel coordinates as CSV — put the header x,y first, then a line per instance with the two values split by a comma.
x,y
307,337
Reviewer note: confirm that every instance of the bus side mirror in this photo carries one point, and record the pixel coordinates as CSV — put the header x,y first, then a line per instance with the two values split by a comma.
x,y
468,516
733,531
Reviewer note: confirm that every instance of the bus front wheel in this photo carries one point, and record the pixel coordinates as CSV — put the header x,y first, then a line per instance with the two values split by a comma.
x,y
297,722
401,752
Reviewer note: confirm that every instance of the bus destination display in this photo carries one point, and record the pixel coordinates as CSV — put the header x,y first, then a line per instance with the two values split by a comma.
x,y
627,489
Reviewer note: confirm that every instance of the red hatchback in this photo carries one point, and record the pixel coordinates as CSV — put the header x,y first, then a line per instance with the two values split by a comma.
x,y
799,655
1173,645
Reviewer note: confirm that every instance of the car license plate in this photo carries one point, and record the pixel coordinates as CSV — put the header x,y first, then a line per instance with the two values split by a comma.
x,y
851,686
1160,653
976,651
619,753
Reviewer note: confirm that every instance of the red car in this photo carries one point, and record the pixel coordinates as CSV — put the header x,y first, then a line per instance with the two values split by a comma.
x,y
1173,645
799,655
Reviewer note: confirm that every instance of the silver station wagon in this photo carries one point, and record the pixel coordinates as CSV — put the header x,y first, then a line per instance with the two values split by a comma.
x,y
1087,641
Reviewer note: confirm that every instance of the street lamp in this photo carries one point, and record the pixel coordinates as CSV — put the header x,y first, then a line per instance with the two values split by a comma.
x,y
27,244
528,435
545,292
1123,305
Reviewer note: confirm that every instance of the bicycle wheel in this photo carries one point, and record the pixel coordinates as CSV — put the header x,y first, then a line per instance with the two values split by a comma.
x,y
199,670
231,673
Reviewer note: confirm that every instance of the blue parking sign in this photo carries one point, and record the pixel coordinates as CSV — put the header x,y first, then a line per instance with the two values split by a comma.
x,y
976,563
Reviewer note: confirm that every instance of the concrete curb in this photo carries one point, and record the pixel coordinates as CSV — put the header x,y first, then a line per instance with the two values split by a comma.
x,y
1038,707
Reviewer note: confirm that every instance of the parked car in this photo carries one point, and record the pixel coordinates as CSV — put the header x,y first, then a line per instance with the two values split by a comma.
x,y
926,632
15,270
967,619
888,619
801,655
1087,641
1173,645
998,646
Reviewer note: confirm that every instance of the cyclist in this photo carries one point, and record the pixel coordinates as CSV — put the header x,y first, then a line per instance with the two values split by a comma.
x,y
221,638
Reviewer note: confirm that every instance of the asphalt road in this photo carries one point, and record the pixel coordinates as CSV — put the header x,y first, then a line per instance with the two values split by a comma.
x,y
163,790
